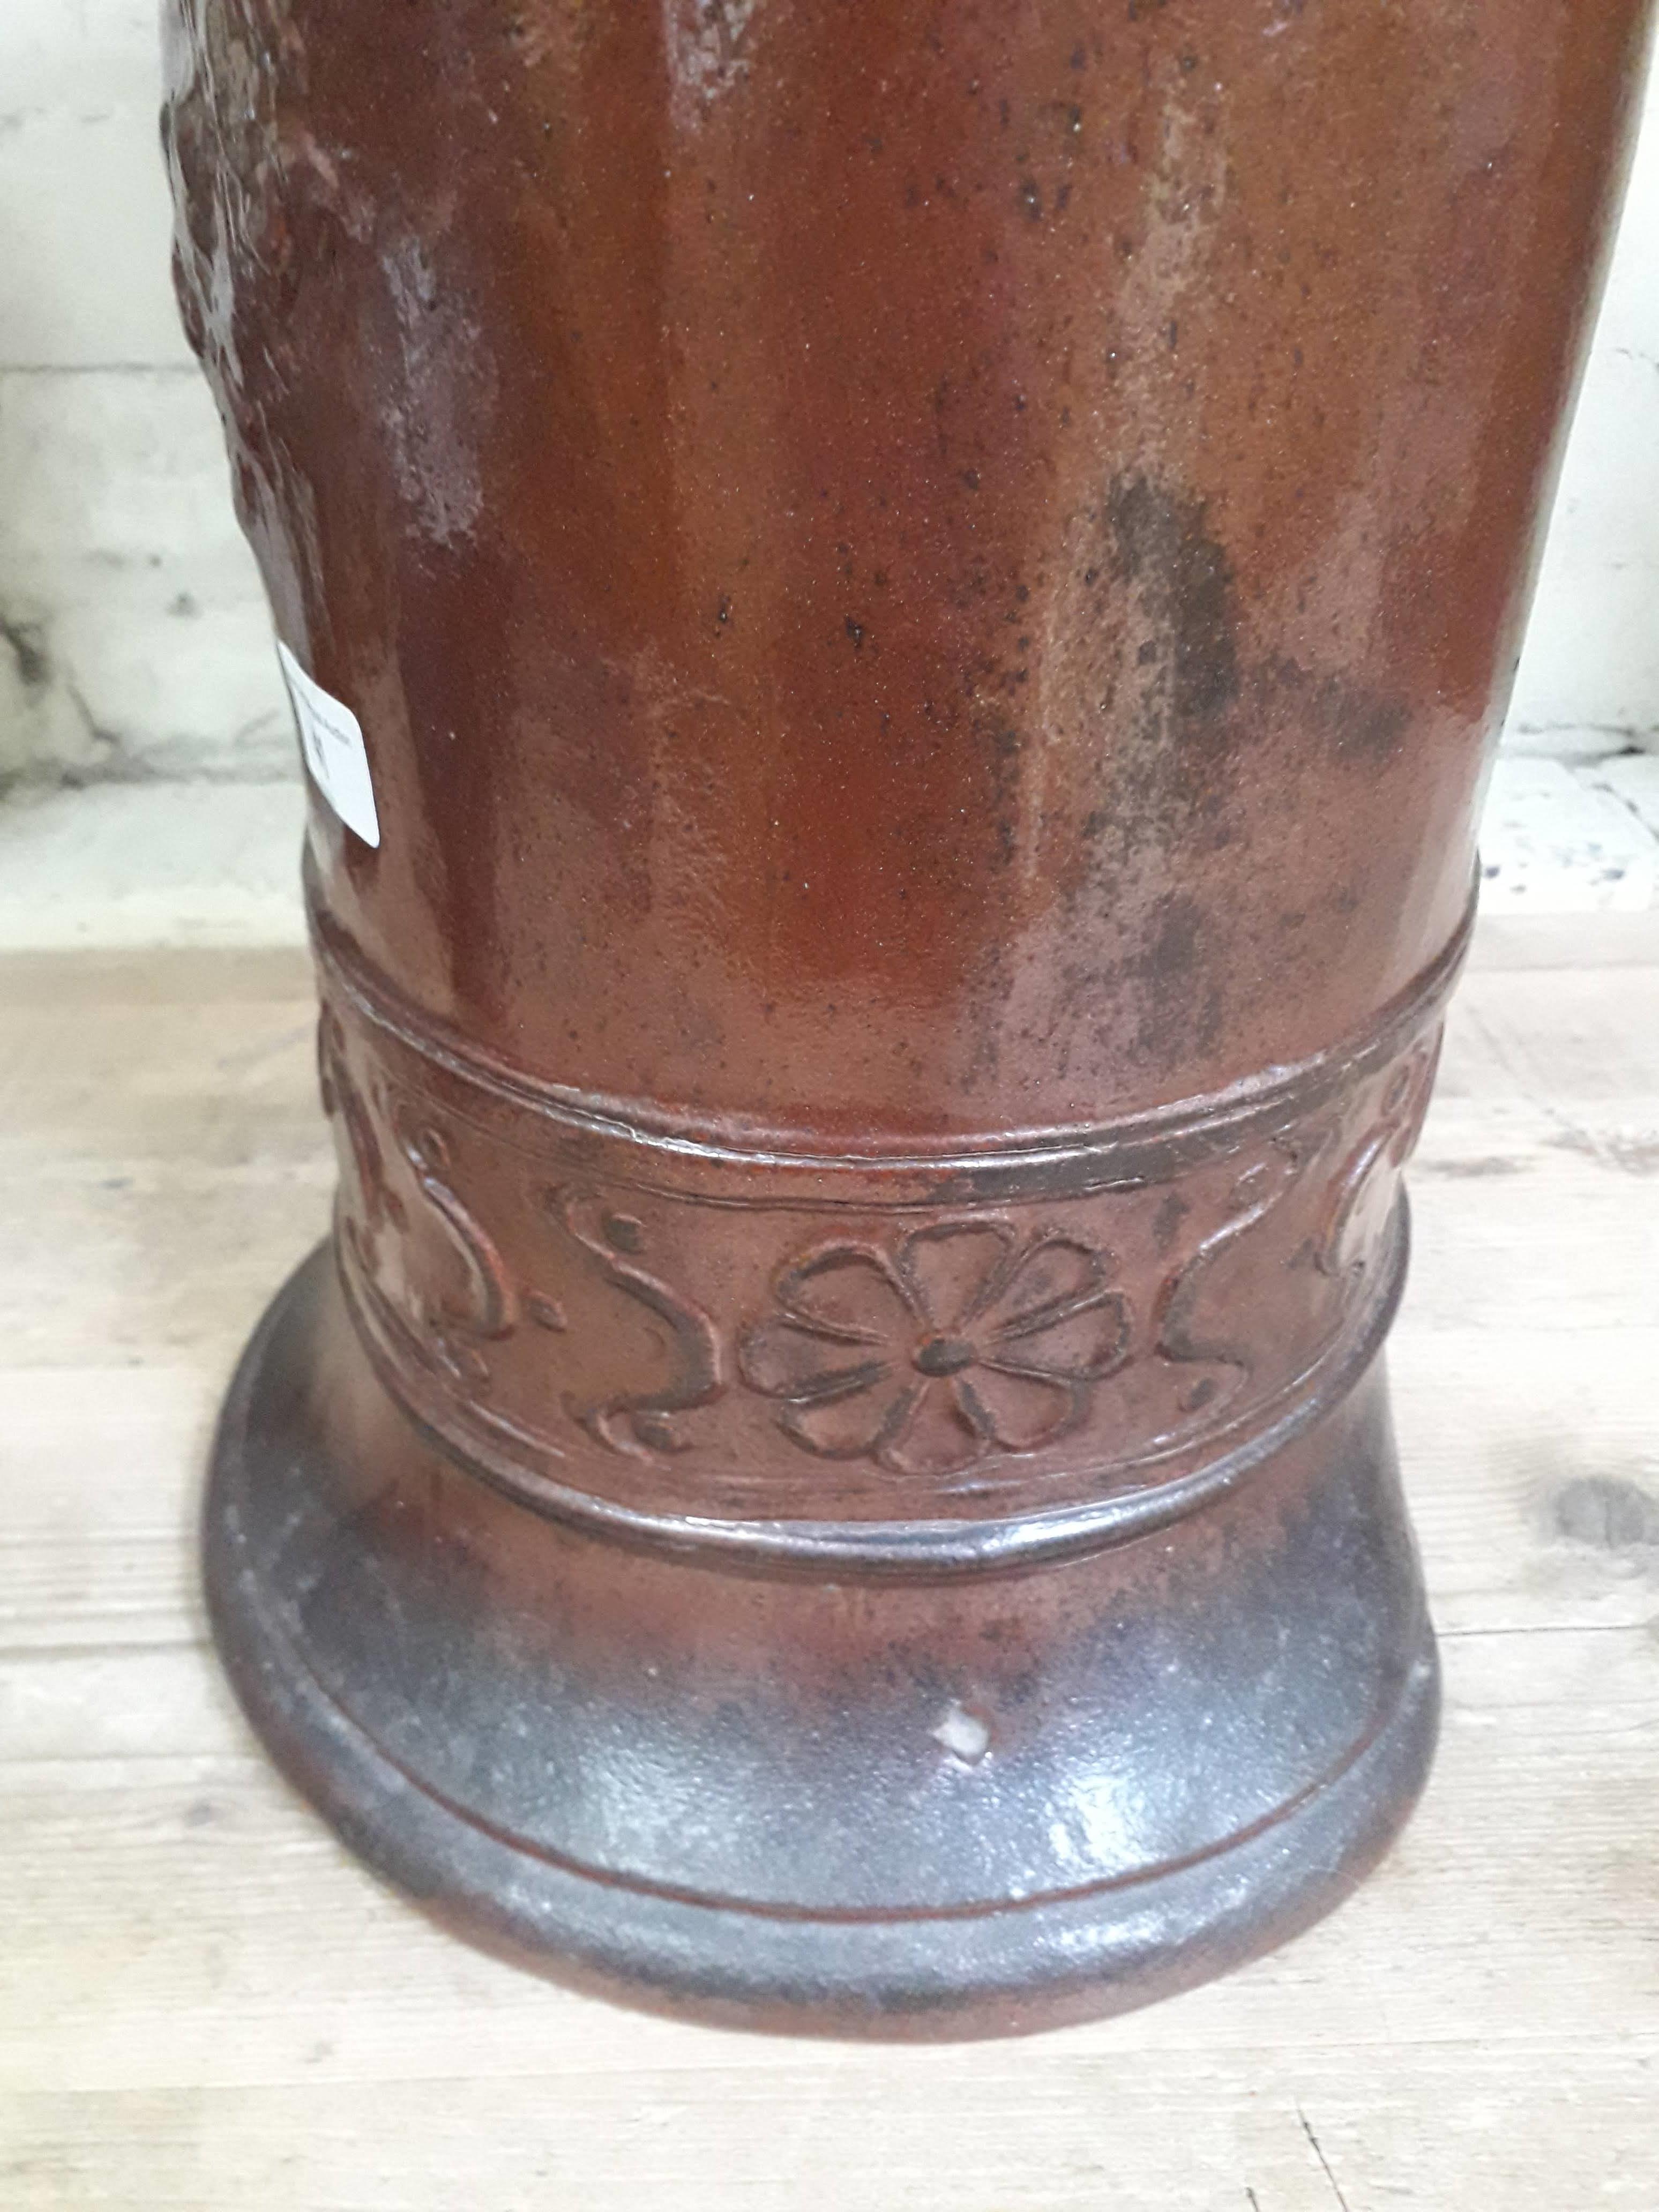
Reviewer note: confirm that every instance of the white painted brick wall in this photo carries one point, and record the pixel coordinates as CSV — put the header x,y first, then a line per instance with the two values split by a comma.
x,y
133,640
1589,676
133,637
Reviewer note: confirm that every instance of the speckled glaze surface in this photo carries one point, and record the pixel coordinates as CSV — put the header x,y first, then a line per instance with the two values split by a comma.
x,y
928,588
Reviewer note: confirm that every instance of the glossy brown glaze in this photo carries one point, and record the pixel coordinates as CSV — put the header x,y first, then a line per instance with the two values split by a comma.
x,y
928,587
906,567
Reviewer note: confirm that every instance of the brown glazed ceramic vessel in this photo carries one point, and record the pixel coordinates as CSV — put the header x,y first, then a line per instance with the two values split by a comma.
x,y
927,587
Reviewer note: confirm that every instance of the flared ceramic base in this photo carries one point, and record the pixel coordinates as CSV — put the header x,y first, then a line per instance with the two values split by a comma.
x,y
978,1804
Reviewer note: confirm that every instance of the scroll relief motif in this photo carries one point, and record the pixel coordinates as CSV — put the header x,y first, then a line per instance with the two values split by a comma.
x,y
641,1421
741,1345
382,1231
443,1302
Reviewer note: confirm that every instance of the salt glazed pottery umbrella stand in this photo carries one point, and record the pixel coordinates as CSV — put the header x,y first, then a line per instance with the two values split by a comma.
x,y
896,612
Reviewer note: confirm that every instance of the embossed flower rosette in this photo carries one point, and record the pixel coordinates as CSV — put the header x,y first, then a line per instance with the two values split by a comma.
x,y
965,1341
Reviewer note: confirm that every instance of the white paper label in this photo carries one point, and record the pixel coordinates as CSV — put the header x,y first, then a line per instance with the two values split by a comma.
x,y
332,737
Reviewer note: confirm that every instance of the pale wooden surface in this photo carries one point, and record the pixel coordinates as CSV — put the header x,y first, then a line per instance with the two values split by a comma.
x,y
205,2006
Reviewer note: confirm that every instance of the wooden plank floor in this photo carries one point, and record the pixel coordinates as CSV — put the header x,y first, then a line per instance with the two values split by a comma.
x,y
205,2004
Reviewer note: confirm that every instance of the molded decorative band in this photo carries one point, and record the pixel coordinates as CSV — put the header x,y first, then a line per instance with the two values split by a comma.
x,y
907,1358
